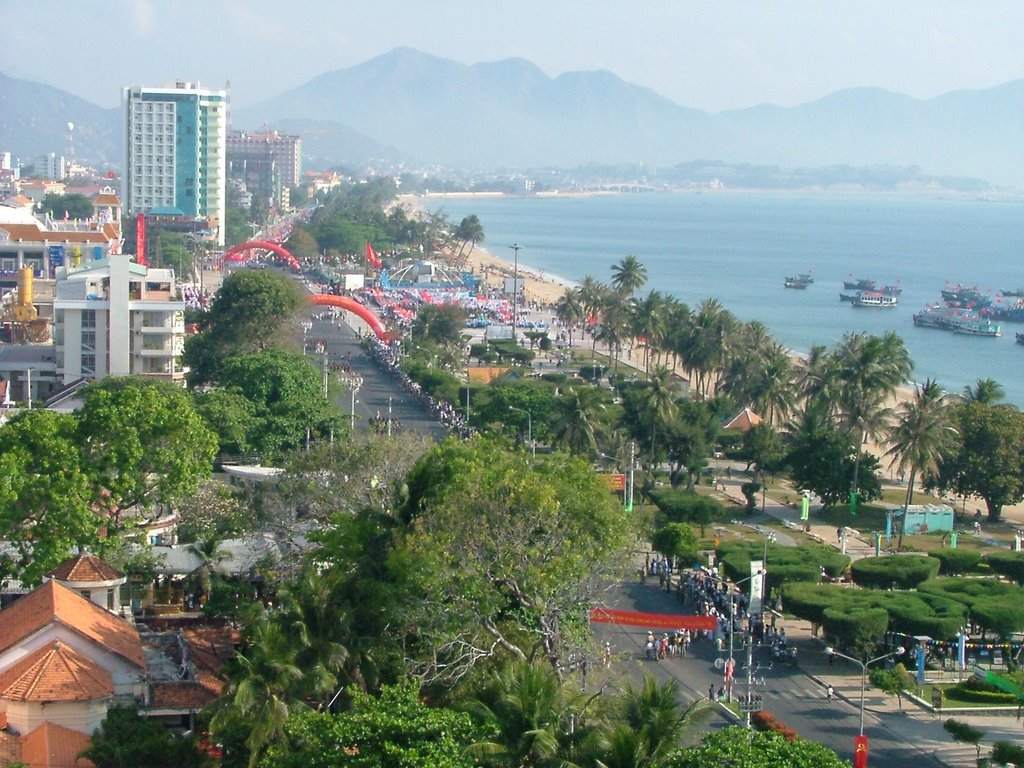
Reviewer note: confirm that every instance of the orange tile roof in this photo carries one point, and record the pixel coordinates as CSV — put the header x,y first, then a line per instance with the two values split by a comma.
x,y
54,746
55,672
743,421
183,695
106,199
55,602
85,567
33,234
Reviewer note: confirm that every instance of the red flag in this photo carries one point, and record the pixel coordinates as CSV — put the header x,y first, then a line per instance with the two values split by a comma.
x,y
371,256
860,752
140,239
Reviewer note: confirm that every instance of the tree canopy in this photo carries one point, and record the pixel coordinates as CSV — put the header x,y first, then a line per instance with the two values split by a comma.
x,y
738,747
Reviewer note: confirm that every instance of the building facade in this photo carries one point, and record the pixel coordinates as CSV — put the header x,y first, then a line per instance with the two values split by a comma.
x,y
114,317
176,152
269,162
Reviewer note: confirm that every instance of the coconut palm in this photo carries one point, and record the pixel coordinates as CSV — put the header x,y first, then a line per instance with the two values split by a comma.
x,y
470,232
868,369
985,391
654,712
592,295
576,420
776,395
658,403
262,695
629,275
708,344
570,310
649,323
922,436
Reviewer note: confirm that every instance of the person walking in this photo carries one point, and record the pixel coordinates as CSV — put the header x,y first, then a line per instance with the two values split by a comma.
x,y
829,692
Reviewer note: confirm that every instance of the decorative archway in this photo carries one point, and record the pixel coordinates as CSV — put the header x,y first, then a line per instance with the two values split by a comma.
x,y
343,302
237,253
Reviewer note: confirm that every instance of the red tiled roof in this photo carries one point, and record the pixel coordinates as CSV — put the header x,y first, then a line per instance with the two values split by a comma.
x,y
54,746
54,602
743,421
106,199
55,672
30,233
183,695
85,567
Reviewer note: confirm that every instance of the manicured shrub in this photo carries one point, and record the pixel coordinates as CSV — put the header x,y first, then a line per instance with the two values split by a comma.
x,y
1005,752
974,691
858,631
970,591
1003,615
894,571
683,507
953,562
1008,564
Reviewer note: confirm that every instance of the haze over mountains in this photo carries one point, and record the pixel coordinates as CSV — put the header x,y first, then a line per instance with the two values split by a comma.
x,y
414,107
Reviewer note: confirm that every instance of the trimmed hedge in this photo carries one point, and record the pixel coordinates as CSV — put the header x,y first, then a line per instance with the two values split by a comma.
x,y
1002,615
1008,564
860,630
898,571
970,591
910,613
683,507
977,691
953,562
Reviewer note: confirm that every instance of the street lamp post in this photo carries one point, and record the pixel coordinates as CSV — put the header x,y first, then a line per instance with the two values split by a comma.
x,y
863,673
529,429
731,664
515,288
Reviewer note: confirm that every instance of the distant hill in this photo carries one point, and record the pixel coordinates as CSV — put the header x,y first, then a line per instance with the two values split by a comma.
x,y
413,108
34,118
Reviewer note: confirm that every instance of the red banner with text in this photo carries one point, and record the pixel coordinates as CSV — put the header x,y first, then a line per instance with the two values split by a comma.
x,y
654,620
860,752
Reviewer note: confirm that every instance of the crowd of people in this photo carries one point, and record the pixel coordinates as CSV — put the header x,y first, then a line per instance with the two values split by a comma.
x,y
387,357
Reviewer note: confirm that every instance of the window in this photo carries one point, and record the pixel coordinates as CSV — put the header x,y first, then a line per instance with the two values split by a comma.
x,y
110,599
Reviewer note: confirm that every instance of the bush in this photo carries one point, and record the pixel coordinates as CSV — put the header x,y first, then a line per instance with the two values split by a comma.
x,y
900,572
953,562
1004,752
974,691
1003,615
970,591
683,507
1008,564
592,372
765,721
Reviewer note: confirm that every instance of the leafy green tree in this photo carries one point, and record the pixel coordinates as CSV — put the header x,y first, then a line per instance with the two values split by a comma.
x,y
822,460
676,540
893,681
143,442
287,394
655,713
964,733
988,458
302,245
491,558
126,740
233,417
72,206
46,497
735,746
440,324
762,447
246,316
576,420
395,729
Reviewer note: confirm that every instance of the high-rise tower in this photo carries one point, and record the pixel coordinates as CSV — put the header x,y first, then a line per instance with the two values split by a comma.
x,y
175,153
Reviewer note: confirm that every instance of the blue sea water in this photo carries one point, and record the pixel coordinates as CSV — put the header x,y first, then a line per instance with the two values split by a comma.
x,y
738,247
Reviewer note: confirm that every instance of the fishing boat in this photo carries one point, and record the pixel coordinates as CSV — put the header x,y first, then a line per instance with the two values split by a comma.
x,y
1015,293
1013,313
848,296
860,284
874,299
797,282
978,326
937,317
1020,338
962,296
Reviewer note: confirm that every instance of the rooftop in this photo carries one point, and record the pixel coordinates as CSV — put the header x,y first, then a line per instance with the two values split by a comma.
x,y
85,567
55,672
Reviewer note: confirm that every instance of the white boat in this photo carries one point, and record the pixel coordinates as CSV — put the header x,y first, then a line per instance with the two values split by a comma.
x,y
874,299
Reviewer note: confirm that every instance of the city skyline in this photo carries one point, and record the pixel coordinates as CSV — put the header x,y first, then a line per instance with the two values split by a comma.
x,y
712,58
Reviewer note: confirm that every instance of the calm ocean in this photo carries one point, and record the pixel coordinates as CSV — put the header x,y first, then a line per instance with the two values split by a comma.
x,y
738,247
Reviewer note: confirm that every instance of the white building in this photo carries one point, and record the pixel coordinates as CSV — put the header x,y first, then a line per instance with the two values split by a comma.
x,y
114,317
176,152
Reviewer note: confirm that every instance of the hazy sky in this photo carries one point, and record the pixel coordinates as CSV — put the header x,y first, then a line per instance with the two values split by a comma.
x,y
708,54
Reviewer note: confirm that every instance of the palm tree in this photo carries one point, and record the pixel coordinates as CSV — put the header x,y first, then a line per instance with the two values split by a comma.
x,y
261,697
649,323
777,392
570,311
470,231
923,435
527,707
868,370
653,712
985,391
709,343
658,403
629,275
576,424
592,296
209,553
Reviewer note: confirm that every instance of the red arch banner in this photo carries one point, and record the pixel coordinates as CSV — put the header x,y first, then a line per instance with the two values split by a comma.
x,y
236,252
343,302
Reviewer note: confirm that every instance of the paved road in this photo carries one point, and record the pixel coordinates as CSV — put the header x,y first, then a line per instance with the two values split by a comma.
x,y
789,693
379,391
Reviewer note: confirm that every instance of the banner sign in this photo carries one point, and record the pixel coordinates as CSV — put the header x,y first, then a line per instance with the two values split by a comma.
x,y
654,620
140,239
56,254
756,586
805,508
860,752
614,482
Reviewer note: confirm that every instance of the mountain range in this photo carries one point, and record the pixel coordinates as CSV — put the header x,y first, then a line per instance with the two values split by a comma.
x,y
411,107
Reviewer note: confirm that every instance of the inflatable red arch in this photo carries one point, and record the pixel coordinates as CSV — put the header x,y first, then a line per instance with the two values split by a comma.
x,y
236,253
343,302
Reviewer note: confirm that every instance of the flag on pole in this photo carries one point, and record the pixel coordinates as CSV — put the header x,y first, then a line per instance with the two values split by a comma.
x,y
860,752
371,256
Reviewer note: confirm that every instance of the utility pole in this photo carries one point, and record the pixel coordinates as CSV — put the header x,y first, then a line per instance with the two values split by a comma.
x,y
515,289
629,477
